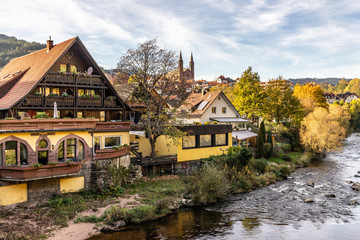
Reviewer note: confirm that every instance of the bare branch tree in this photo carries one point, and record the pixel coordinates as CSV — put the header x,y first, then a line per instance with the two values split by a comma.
x,y
151,71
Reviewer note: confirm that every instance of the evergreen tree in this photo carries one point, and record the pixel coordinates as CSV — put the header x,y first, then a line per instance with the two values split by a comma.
x,y
269,140
260,141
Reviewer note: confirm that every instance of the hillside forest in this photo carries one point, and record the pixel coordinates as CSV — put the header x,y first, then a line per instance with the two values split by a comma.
x,y
11,47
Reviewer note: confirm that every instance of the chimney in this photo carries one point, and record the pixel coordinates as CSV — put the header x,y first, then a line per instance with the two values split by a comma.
x,y
49,44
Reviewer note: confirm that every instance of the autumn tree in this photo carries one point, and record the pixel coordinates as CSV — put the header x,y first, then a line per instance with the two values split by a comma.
x,y
353,86
323,130
280,103
249,95
340,87
150,70
310,96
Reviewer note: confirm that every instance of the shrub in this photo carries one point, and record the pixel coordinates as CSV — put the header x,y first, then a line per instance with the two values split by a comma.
x,y
240,182
134,215
89,219
119,175
285,147
209,185
260,141
259,165
304,160
286,158
284,171
267,150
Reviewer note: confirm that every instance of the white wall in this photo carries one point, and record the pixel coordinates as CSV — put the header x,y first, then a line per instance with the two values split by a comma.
x,y
219,104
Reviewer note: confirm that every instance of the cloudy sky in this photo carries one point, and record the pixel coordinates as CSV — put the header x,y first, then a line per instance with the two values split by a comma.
x,y
291,38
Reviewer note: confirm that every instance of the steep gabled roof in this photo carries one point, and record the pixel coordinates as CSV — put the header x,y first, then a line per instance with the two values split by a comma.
x,y
199,103
33,67
38,64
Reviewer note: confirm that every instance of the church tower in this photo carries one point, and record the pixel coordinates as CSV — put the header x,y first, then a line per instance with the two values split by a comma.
x,y
181,68
191,66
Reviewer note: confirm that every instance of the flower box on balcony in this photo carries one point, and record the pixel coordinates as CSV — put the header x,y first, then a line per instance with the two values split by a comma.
x,y
46,171
111,153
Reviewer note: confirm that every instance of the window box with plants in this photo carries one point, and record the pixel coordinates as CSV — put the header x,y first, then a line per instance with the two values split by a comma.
x,y
114,152
38,171
88,100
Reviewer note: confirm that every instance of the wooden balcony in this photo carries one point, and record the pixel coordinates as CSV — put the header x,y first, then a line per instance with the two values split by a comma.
x,y
113,126
34,101
89,102
111,153
89,80
109,103
60,78
46,124
34,173
61,101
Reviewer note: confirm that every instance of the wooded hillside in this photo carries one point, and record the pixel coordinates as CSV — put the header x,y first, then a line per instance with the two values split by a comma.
x,y
11,47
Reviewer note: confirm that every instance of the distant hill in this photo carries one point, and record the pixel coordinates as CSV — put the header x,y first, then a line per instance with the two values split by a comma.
x,y
11,47
301,81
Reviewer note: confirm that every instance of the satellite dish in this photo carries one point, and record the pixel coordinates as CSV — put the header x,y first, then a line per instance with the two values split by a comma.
x,y
90,70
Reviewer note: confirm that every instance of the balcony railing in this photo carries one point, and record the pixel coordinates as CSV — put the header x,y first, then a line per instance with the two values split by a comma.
x,y
46,124
110,103
89,102
35,101
33,173
113,126
61,101
54,77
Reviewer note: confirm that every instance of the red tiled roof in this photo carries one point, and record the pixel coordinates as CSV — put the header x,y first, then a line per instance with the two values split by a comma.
x,y
195,99
38,64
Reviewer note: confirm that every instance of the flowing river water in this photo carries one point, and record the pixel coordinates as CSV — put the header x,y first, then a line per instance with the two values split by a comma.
x,y
274,212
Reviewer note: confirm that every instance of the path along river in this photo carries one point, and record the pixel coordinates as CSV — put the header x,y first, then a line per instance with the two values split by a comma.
x,y
274,212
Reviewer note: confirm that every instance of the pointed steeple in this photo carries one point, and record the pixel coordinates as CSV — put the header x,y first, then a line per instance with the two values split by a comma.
x,y
191,67
181,67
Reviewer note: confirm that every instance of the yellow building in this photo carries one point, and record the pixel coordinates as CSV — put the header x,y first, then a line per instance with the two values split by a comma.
x,y
200,142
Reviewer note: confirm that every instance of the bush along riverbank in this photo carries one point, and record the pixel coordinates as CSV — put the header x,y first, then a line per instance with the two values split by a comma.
x,y
146,199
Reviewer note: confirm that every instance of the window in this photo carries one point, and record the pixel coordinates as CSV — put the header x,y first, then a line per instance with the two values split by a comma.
x,y
43,143
81,150
62,67
189,141
73,69
11,153
102,116
23,154
61,157
213,110
220,139
205,140
97,143
112,141
79,115
224,110
81,92
71,149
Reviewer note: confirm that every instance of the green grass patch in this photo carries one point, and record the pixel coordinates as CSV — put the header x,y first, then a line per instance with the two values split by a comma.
x,y
89,219
152,191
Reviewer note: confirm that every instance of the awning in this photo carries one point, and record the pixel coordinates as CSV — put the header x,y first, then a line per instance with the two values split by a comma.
x,y
229,119
242,135
138,133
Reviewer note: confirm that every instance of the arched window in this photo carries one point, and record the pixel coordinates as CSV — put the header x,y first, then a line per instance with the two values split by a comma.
x,y
13,153
71,149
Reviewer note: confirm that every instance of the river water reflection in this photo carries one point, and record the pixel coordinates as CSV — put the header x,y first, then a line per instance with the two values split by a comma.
x,y
274,212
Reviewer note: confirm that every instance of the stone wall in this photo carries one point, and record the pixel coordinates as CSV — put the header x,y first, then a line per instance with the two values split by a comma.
x,y
42,189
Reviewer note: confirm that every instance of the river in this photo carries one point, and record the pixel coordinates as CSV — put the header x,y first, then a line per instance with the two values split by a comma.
x,y
274,212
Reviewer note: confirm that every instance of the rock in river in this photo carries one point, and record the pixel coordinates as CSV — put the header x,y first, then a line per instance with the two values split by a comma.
x,y
308,200
356,186
311,184
330,195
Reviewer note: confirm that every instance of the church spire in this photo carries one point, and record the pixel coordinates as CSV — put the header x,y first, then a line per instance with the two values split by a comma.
x,y
181,67
191,67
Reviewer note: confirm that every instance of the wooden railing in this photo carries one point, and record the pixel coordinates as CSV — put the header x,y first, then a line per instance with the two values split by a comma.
x,y
110,103
89,102
54,77
34,101
46,124
61,101
113,126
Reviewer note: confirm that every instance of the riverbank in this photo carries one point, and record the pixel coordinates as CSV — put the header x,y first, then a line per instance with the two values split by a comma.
x,y
80,215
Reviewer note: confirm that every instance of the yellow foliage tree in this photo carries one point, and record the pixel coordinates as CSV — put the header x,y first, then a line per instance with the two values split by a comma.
x,y
310,96
323,130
